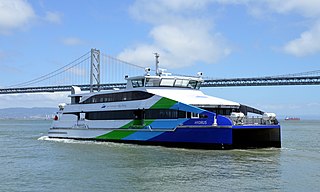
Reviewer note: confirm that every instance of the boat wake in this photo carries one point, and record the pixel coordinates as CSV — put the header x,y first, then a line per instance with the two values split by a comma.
x,y
74,141
46,138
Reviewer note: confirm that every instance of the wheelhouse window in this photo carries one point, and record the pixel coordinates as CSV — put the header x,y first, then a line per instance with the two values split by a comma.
x,y
172,82
167,82
152,82
137,83
181,83
198,85
193,84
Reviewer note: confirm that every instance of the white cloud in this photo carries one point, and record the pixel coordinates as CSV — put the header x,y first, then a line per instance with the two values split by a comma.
x,y
307,8
308,43
140,55
72,41
19,14
181,34
15,14
164,11
53,17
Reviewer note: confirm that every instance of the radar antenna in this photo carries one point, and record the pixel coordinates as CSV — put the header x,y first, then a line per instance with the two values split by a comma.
x,y
157,63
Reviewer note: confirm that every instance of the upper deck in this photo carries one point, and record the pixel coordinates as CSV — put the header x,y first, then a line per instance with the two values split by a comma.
x,y
164,81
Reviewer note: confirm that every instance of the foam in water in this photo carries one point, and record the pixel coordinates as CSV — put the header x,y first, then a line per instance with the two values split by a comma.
x,y
46,138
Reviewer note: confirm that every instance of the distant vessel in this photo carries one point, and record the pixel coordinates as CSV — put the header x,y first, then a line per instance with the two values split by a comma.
x,y
164,110
292,119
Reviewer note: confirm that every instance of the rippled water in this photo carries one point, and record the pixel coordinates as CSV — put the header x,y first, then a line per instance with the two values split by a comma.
x,y
31,162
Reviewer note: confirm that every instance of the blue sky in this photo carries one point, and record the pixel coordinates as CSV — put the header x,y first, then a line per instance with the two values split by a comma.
x,y
222,38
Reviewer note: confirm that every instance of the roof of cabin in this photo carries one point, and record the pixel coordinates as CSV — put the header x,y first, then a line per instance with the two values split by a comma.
x,y
191,96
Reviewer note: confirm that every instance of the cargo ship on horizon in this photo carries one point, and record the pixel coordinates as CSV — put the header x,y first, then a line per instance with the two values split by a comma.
x,y
292,119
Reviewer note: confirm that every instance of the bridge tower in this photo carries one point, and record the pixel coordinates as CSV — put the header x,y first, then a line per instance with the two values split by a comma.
x,y
95,70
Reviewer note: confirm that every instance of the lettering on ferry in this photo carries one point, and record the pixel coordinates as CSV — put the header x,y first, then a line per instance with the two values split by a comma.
x,y
115,106
200,122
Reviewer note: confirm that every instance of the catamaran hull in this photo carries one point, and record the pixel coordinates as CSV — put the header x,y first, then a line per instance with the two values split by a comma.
x,y
228,137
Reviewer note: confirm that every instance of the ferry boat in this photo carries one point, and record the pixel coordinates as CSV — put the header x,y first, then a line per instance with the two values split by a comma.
x,y
166,110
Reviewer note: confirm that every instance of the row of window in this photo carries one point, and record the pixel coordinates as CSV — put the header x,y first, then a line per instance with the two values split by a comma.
x,y
221,111
116,97
156,82
139,114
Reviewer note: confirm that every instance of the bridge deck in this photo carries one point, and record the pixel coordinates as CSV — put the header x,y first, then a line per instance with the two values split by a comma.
x,y
265,81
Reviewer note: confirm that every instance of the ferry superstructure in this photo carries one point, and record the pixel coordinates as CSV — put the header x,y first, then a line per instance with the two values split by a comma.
x,y
164,110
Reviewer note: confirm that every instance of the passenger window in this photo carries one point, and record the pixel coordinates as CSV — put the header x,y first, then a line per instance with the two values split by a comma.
x,y
182,114
202,116
195,115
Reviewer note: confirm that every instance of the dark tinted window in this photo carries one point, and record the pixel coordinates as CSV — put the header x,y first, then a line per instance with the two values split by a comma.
x,y
136,114
164,114
192,84
110,115
114,97
137,83
202,116
220,111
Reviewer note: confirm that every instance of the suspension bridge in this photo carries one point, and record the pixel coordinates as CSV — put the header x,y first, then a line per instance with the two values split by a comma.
x,y
98,71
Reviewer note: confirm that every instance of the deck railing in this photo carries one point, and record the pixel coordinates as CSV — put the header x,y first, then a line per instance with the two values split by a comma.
x,y
253,120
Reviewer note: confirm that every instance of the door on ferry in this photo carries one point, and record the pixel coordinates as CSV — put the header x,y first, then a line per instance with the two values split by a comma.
x,y
138,118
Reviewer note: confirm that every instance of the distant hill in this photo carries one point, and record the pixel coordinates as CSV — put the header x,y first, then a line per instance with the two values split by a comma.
x,y
27,113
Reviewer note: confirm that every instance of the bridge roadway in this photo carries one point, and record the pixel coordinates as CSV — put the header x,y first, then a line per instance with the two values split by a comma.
x,y
263,81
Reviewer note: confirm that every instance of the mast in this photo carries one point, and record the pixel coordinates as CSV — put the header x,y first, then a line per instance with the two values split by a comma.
x,y
157,63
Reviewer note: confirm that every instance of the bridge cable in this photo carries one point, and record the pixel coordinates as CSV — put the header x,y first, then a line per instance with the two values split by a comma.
x,y
52,74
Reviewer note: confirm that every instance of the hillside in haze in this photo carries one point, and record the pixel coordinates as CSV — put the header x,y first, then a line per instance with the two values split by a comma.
x,y
27,113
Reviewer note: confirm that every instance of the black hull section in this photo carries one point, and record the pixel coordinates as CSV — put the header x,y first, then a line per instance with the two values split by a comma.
x,y
256,138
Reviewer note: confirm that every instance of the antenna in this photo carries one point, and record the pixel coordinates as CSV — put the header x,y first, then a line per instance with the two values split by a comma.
x,y
157,63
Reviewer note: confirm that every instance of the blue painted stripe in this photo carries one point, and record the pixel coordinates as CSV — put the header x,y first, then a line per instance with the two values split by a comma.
x,y
166,124
142,136
185,107
197,135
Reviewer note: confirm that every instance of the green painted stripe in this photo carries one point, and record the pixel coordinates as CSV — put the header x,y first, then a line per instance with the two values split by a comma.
x,y
116,135
137,124
120,134
163,103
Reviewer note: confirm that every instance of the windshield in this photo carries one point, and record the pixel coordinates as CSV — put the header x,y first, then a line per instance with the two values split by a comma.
x,y
171,82
155,82
137,82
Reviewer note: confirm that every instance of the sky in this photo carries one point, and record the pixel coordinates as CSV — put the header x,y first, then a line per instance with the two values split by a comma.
x,y
221,38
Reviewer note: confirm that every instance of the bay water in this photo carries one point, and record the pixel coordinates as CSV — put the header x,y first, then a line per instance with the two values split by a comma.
x,y
30,161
